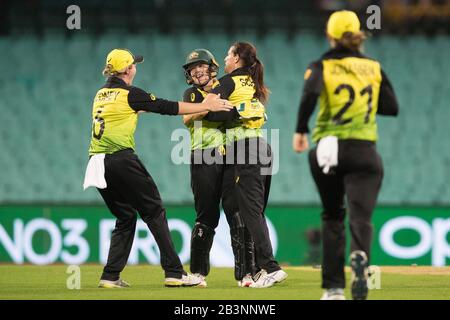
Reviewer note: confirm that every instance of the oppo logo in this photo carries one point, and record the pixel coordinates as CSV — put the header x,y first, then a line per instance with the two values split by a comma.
x,y
432,237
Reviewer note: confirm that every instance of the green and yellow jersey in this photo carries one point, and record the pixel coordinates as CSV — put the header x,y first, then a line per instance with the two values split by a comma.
x,y
248,116
115,115
351,90
204,134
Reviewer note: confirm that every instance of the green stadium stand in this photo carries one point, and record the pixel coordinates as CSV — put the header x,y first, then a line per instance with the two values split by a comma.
x,y
46,112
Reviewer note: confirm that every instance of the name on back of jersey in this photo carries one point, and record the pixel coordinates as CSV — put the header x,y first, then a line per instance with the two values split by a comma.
x,y
361,68
110,95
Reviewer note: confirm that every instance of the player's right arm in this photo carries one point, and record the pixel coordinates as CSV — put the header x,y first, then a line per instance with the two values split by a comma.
x,y
311,92
139,100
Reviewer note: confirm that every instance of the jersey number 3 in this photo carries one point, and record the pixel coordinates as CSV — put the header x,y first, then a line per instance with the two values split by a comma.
x,y
337,119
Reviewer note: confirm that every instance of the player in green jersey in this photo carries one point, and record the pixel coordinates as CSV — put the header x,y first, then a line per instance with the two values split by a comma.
x,y
243,85
212,181
127,187
352,90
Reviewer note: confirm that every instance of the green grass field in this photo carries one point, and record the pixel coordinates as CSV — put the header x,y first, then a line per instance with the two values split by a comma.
x,y
49,282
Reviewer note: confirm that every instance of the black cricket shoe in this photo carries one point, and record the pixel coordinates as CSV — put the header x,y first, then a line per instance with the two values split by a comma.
x,y
360,274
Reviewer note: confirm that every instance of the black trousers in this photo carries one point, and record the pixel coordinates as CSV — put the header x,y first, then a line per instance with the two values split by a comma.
x,y
251,160
210,184
358,176
131,189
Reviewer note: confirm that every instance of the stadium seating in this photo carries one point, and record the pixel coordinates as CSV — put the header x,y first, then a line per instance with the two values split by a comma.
x,y
48,83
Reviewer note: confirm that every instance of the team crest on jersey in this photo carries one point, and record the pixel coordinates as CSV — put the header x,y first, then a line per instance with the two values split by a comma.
x,y
193,55
192,97
215,83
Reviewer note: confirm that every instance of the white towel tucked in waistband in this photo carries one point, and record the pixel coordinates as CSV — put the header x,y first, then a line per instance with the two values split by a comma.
x,y
327,153
95,172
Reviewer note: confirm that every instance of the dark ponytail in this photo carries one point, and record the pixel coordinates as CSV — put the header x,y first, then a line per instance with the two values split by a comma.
x,y
247,52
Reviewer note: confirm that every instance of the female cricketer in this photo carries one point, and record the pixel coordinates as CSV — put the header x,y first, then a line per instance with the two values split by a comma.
x,y
352,89
244,87
212,181
128,187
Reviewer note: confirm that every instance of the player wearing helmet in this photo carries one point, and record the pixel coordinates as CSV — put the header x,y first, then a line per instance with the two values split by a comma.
x,y
244,86
212,180
121,178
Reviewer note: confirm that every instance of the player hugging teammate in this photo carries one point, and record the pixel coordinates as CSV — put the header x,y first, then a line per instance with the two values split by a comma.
x,y
245,183
212,182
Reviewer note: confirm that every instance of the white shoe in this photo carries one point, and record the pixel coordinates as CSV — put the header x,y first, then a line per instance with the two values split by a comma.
x,y
188,280
113,284
246,281
202,283
333,294
266,280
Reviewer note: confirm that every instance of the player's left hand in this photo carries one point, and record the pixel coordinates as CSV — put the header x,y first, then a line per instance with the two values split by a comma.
x,y
300,142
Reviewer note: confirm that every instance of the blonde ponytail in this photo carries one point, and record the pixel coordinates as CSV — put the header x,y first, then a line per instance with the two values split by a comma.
x,y
108,71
